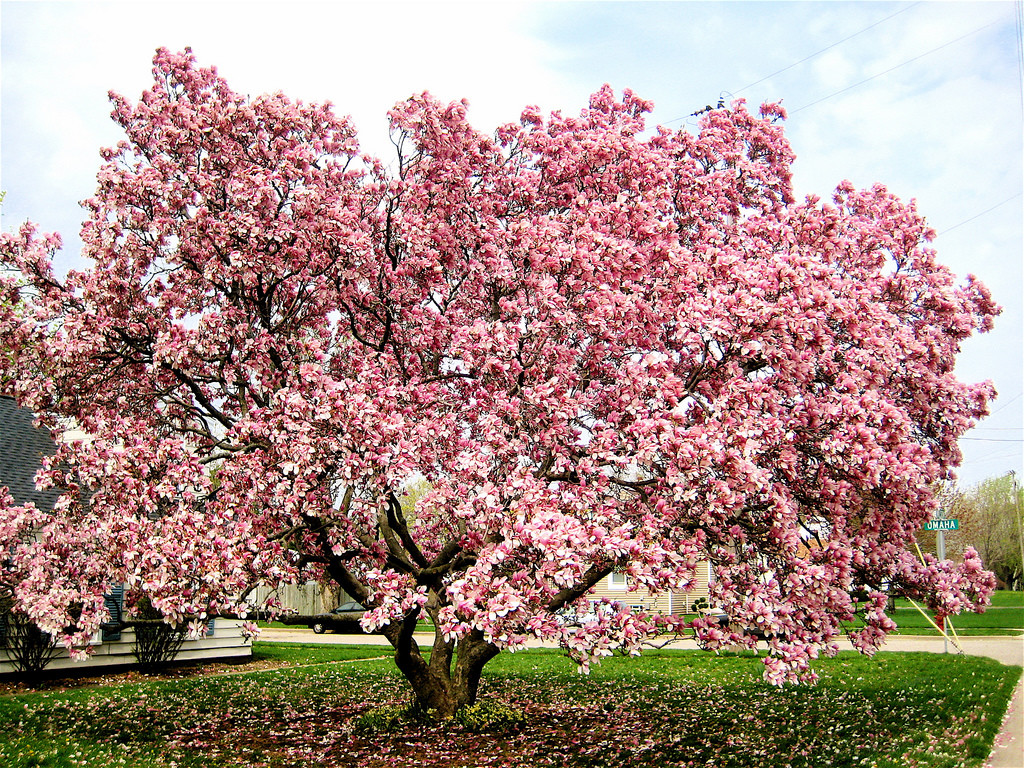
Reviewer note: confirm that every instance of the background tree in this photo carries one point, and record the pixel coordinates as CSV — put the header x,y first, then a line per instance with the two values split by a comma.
x,y
9,300
989,522
603,349
950,503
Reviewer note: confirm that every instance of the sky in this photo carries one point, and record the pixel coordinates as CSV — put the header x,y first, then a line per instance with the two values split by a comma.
x,y
924,97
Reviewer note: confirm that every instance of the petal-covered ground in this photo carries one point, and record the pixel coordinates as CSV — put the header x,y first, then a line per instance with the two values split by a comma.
x,y
666,709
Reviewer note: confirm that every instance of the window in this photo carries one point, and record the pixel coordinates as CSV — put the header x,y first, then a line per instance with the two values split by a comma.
x,y
617,581
114,600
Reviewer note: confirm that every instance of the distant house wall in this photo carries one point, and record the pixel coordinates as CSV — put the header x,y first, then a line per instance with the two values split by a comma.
x,y
225,644
306,599
670,602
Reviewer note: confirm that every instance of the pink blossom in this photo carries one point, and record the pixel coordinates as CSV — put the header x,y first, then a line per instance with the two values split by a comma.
x,y
602,347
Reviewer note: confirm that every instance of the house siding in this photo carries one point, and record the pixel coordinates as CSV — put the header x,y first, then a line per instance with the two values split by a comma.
x,y
668,602
226,643
306,599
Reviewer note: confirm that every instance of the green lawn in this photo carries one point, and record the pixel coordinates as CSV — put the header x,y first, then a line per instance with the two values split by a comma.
x,y
1004,617
909,619
668,708
1004,598
312,653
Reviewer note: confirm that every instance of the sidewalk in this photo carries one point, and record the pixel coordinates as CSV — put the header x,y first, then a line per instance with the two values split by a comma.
x,y
1007,750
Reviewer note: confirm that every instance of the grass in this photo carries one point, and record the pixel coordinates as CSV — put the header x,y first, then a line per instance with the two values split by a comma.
x,y
278,625
1004,617
311,653
668,708
1005,598
1008,619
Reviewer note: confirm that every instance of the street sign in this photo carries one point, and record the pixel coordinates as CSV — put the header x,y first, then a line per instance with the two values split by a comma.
x,y
950,524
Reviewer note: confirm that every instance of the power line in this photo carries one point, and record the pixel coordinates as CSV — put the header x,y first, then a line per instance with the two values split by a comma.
x,y
993,440
808,58
892,69
826,48
979,215
1008,402
997,456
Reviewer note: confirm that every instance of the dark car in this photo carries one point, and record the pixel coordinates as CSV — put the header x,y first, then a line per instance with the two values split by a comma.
x,y
345,617
717,615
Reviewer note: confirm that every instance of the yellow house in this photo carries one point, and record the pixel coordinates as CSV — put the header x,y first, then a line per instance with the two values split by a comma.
x,y
616,586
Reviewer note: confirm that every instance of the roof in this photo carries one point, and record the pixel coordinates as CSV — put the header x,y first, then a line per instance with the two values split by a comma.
x,y
22,448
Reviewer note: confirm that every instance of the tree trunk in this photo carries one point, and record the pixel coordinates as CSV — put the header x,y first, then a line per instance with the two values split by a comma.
x,y
472,654
436,689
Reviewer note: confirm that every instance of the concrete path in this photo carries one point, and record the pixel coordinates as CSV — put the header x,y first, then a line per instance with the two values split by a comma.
x,y
1007,752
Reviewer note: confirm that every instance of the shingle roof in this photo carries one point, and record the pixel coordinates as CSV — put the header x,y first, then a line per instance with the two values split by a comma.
x,y
22,447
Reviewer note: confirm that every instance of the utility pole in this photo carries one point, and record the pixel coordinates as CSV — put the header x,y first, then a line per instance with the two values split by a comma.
x,y
1020,524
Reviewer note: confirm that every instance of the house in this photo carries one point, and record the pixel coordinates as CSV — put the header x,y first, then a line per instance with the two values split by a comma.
x,y
615,586
311,598
22,448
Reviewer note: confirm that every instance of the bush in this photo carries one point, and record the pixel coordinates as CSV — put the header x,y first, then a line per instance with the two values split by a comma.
x,y
489,716
28,648
156,642
381,719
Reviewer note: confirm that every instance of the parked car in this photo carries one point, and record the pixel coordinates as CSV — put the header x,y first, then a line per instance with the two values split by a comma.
x,y
718,615
345,617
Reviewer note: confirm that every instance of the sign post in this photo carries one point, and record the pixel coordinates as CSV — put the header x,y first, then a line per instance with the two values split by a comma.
x,y
940,526
943,524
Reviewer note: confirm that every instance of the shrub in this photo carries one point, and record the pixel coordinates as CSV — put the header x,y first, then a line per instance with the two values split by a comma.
x,y
156,642
381,719
28,648
489,716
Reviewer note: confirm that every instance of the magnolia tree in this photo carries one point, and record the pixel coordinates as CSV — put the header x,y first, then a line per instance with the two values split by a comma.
x,y
604,349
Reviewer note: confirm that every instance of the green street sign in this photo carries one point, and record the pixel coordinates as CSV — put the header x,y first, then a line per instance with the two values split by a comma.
x,y
950,524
